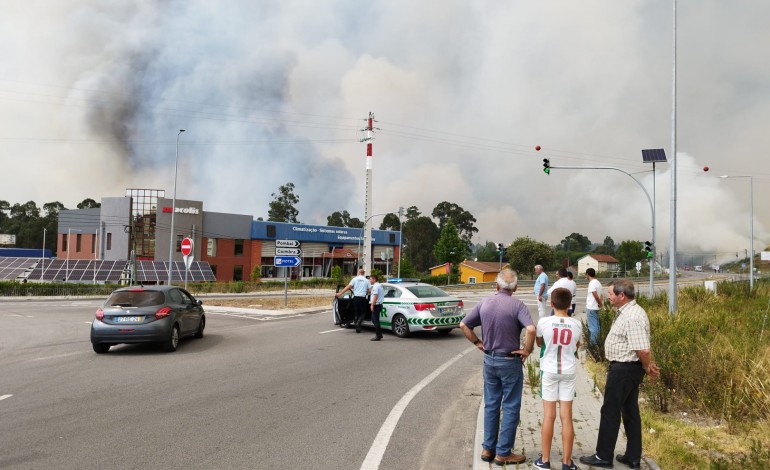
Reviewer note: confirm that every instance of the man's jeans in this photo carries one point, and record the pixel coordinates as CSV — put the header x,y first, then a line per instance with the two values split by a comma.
x,y
503,383
593,325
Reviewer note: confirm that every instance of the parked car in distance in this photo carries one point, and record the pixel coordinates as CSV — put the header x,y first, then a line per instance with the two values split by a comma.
x,y
409,306
147,314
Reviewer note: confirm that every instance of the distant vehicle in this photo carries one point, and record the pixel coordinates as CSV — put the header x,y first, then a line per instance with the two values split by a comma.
x,y
152,314
699,269
409,306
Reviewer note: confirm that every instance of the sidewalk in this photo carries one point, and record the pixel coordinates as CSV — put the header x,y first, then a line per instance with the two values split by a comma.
x,y
585,414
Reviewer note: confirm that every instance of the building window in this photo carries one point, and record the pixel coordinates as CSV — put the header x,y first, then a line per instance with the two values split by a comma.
x,y
238,273
78,240
179,239
271,231
211,247
238,247
64,242
471,280
93,244
214,269
109,241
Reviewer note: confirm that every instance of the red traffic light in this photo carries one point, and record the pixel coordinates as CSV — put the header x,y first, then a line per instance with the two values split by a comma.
x,y
537,147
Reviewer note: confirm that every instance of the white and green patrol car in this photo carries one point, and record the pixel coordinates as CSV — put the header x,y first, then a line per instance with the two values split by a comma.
x,y
409,306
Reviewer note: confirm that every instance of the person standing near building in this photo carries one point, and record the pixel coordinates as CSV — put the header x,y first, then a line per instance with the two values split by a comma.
x,y
573,290
541,289
593,304
501,318
558,337
376,297
360,287
627,348
562,281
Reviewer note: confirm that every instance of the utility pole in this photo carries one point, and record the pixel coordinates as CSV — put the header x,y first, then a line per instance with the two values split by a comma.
x,y
369,129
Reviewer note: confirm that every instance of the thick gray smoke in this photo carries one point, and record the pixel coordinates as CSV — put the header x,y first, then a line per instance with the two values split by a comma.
x,y
94,92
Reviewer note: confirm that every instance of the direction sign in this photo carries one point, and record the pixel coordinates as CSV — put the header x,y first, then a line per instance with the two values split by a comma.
x,y
281,261
287,243
186,247
288,251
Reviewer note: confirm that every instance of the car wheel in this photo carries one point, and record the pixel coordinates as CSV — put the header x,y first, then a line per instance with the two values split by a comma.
x,y
400,326
201,326
445,332
100,348
172,342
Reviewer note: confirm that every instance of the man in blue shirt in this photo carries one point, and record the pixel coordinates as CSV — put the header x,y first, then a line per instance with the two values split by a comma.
x,y
360,287
541,290
376,297
501,318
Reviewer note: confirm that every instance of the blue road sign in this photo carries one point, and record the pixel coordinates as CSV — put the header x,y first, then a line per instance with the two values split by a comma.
x,y
281,261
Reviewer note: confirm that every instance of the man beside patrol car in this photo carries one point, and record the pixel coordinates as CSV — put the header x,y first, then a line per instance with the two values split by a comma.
x,y
360,286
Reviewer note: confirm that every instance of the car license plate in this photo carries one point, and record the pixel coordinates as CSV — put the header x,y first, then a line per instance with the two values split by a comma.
x,y
444,311
128,319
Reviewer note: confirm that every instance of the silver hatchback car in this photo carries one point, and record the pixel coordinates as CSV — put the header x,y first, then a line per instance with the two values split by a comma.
x,y
151,314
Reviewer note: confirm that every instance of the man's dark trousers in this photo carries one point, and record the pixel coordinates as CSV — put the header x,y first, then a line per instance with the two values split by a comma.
x,y
376,320
621,398
361,306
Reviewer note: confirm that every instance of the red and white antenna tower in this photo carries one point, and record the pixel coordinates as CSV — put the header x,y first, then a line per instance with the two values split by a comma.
x,y
367,248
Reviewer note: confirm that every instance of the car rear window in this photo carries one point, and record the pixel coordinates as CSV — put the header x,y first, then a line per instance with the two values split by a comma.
x,y
422,292
135,298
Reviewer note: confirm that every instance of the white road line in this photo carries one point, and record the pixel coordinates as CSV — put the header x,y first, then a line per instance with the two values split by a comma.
x,y
3,397
57,356
377,450
331,331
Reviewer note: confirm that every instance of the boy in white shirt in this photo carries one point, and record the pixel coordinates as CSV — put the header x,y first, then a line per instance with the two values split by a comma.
x,y
558,337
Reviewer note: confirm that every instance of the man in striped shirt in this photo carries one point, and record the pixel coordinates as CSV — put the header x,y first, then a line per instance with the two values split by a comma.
x,y
558,337
627,348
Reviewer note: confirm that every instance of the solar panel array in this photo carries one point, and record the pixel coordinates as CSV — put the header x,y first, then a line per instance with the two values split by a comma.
x,y
653,155
13,267
157,271
112,272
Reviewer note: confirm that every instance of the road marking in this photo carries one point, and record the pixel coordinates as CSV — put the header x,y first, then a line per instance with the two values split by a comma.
x,y
377,450
331,331
57,356
3,397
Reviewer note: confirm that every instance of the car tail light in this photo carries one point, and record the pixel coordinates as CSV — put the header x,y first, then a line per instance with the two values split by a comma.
x,y
99,314
421,307
162,313
136,289
460,304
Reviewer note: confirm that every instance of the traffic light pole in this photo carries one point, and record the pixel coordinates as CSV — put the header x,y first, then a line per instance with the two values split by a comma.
x,y
652,208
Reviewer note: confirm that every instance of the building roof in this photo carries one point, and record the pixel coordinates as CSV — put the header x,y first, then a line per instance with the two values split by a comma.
x,y
602,258
483,266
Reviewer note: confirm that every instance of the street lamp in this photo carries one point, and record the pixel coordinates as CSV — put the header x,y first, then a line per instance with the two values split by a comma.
x,y
69,247
751,225
173,211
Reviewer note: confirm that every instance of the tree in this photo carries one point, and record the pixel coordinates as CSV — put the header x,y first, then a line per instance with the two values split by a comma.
x,y
487,252
576,242
524,253
450,247
89,204
606,248
390,222
412,213
282,206
462,219
343,219
419,236
52,209
629,252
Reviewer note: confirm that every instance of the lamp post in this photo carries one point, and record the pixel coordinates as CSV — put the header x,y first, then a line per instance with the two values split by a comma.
x,y
173,211
362,235
69,247
750,252
42,255
400,239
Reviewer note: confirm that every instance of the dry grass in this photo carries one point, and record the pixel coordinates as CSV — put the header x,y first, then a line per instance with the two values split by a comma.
x,y
274,302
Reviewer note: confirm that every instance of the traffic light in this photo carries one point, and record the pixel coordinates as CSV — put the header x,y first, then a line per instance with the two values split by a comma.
x,y
648,249
500,248
547,166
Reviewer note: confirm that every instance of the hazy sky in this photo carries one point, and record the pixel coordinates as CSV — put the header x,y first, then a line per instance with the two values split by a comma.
x,y
94,92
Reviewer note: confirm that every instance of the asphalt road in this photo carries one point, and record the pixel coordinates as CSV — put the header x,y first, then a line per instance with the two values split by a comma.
x,y
253,393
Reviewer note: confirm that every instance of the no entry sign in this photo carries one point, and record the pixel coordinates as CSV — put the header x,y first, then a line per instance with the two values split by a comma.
x,y
187,246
